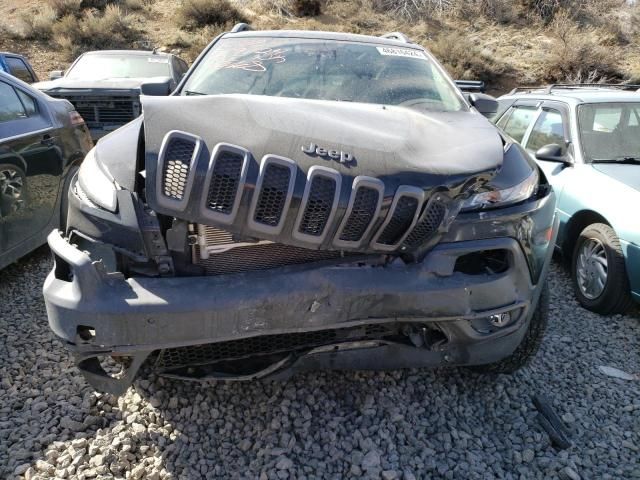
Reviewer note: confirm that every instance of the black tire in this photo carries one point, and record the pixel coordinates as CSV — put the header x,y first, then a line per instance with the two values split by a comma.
x,y
530,343
616,296
64,199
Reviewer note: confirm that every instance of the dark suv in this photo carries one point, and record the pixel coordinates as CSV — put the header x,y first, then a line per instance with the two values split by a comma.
x,y
303,200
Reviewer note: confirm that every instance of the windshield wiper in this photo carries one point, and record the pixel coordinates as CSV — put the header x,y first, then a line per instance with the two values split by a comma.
x,y
191,92
628,160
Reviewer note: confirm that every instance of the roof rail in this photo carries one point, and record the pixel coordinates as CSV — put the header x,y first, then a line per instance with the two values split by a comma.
x,y
401,37
548,89
240,27
471,86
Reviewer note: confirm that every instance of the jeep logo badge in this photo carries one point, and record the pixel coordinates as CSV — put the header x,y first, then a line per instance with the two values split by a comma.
x,y
339,156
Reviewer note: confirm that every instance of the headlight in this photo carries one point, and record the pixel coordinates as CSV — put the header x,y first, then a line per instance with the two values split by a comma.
x,y
97,183
507,196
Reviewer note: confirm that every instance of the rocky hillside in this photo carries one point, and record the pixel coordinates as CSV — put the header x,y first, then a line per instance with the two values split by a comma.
x,y
503,42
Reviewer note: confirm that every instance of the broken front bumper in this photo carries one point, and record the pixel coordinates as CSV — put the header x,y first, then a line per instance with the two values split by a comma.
x,y
100,314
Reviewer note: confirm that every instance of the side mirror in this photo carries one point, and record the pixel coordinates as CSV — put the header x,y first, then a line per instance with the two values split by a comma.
x,y
552,153
158,87
55,74
485,104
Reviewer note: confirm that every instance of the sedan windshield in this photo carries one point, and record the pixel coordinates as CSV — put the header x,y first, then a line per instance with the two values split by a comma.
x,y
610,131
100,67
324,70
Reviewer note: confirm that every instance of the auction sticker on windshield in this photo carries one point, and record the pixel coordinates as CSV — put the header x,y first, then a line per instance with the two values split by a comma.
x,y
401,52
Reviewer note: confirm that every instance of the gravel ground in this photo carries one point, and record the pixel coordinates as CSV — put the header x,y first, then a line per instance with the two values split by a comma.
x,y
404,424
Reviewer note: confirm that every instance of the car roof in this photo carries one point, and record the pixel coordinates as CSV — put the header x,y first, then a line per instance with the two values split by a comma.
x,y
321,35
576,96
13,54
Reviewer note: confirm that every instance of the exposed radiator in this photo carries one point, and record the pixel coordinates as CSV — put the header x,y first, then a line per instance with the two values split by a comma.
x,y
219,254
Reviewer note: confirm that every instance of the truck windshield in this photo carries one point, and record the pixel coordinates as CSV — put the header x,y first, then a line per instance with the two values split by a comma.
x,y
610,131
99,67
324,70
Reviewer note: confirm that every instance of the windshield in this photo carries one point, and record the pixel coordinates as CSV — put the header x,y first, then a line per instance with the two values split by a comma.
x,y
610,131
324,70
98,67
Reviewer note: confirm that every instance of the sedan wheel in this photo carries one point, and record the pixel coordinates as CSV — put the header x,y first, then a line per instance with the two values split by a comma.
x,y
599,272
592,268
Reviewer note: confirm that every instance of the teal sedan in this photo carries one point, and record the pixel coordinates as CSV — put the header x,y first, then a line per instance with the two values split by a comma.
x,y
586,139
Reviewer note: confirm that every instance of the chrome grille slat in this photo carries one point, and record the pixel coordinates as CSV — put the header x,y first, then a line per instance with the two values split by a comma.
x,y
272,195
318,207
401,218
176,169
400,221
428,224
364,208
178,161
319,204
224,183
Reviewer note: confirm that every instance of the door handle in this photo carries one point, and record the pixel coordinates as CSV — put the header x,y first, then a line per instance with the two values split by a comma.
x,y
47,140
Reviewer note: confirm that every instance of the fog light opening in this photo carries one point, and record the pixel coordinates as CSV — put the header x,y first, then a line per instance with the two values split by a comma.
x,y
500,320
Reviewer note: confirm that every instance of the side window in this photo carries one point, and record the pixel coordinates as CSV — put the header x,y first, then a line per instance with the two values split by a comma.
x,y
547,130
518,122
19,69
28,103
10,105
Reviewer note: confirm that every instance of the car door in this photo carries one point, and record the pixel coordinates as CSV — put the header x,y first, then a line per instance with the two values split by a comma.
x,y
30,165
551,126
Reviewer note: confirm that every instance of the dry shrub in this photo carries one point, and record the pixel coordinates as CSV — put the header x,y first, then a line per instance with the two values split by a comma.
x,y
192,14
500,11
411,9
94,31
37,25
580,53
464,60
297,8
66,7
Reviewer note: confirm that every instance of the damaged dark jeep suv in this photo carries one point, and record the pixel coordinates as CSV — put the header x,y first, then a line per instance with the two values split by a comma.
x,y
304,200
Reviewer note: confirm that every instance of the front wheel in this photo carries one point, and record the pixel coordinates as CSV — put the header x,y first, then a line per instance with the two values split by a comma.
x,y
598,271
530,343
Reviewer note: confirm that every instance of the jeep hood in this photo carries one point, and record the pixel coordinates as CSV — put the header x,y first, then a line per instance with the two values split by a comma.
x,y
384,140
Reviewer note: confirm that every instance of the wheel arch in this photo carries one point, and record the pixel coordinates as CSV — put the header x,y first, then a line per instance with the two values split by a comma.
x,y
578,222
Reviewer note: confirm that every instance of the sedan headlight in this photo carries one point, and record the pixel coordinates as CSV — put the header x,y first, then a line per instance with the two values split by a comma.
x,y
97,183
504,197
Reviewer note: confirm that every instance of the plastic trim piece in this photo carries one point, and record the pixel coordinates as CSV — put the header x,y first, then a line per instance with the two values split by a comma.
x,y
293,168
205,211
315,171
161,198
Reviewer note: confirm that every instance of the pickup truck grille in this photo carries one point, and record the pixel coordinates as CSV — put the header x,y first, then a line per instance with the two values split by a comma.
x,y
272,199
98,110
